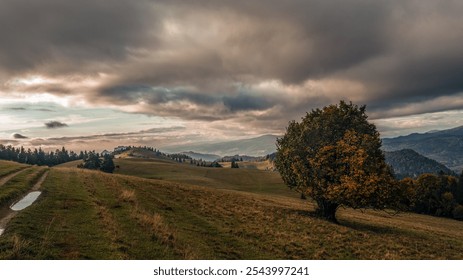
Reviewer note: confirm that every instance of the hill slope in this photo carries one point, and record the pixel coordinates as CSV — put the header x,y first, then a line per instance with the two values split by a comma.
x,y
408,163
197,156
445,146
259,146
241,179
92,215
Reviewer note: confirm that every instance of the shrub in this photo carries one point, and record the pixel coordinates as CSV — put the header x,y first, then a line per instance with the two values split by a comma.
x,y
458,212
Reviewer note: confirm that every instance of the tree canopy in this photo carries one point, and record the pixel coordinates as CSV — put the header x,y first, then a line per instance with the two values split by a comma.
x,y
93,161
108,164
333,155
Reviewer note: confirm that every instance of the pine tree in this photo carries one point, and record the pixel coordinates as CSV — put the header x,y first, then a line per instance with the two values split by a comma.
x,y
108,164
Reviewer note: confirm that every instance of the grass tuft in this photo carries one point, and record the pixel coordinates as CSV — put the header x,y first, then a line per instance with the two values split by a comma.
x,y
127,196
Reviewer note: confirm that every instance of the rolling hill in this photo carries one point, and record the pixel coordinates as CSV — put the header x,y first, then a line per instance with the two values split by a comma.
x,y
206,157
159,209
259,146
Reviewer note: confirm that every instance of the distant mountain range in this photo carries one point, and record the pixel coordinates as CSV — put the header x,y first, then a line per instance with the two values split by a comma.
x,y
259,146
198,156
408,163
444,146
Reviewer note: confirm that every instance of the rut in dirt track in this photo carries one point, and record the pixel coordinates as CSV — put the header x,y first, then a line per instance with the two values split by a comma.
x,y
6,214
8,177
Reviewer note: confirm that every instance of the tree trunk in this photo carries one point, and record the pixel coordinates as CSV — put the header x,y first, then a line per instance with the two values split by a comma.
x,y
327,210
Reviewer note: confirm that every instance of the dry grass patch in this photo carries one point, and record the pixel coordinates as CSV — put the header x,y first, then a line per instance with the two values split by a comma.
x,y
163,233
157,226
18,248
283,228
127,196
10,167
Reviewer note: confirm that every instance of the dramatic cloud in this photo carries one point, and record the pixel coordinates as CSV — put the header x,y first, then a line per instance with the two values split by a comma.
x,y
55,124
116,136
157,137
251,65
19,136
70,36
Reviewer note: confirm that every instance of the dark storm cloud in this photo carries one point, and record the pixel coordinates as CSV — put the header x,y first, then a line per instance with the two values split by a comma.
x,y
401,52
295,40
244,102
156,95
55,124
56,35
224,103
191,59
19,136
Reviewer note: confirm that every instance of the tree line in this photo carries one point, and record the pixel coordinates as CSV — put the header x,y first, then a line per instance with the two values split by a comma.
x,y
147,152
203,163
434,194
38,156
93,161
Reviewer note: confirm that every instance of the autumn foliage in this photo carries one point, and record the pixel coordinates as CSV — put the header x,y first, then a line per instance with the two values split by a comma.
x,y
433,194
333,155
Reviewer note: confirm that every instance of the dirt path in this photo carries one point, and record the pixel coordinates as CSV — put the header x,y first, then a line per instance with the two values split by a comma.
x,y
40,182
5,179
6,214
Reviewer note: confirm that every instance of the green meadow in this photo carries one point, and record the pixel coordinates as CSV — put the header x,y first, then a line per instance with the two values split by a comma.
x,y
160,209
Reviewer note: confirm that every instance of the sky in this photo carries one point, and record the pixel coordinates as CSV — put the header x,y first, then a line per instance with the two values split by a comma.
x,y
94,74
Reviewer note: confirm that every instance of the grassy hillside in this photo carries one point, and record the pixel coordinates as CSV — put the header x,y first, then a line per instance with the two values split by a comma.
x,y
260,165
243,179
220,214
259,146
9,167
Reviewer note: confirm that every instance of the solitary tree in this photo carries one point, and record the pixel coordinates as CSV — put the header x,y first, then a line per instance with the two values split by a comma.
x,y
92,161
333,156
108,164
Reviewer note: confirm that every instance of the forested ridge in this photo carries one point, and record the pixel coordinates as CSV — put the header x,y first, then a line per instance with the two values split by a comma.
x,y
38,156
408,163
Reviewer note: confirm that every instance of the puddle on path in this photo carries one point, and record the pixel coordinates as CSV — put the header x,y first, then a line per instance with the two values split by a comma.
x,y
26,201
8,213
